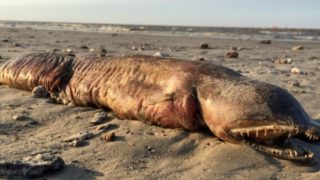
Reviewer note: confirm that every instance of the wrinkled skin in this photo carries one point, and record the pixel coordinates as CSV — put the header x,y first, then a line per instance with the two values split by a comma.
x,y
175,94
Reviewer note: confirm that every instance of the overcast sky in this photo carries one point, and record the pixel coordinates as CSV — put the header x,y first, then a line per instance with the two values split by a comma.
x,y
239,13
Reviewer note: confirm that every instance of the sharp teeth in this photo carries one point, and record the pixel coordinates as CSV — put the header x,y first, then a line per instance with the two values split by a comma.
x,y
295,153
248,133
257,133
265,132
310,155
289,135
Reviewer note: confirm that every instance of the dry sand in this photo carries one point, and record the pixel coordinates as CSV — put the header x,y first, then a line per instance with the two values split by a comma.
x,y
141,151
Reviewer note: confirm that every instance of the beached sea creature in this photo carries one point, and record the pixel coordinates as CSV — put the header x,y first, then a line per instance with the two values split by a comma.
x,y
176,94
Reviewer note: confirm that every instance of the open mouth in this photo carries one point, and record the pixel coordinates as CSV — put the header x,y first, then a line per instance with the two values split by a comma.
x,y
277,141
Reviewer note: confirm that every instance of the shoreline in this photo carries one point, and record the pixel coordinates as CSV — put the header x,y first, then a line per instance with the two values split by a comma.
x,y
275,34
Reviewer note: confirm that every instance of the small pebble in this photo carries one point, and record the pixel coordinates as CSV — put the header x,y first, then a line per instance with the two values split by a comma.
x,y
313,58
242,48
160,54
77,143
53,50
198,59
231,54
204,46
294,83
283,60
297,48
109,136
68,50
40,92
98,118
233,48
103,50
79,136
103,128
265,42
16,45
84,47
295,70
21,117
150,149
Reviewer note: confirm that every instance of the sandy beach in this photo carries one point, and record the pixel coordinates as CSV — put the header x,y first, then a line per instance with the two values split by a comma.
x,y
139,150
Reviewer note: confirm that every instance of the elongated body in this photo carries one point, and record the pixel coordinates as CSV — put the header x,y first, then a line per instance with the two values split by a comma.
x,y
171,93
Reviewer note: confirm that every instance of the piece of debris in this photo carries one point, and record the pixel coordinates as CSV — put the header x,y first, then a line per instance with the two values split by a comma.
x,y
231,54
204,46
198,59
79,136
150,149
160,54
16,45
31,166
54,50
103,128
284,59
102,52
40,92
84,47
135,48
233,48
21,117
295,70
109,136
98,118
240,48
294,83
77,143
69,52
297,48
313,58
265,41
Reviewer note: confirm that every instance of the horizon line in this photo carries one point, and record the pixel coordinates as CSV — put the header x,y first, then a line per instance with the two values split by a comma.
x,y
164,25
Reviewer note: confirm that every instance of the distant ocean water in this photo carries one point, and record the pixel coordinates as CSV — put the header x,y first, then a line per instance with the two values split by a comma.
x,y
309,35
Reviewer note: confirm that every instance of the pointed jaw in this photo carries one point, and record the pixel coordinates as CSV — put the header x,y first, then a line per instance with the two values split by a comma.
x,y
275,140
